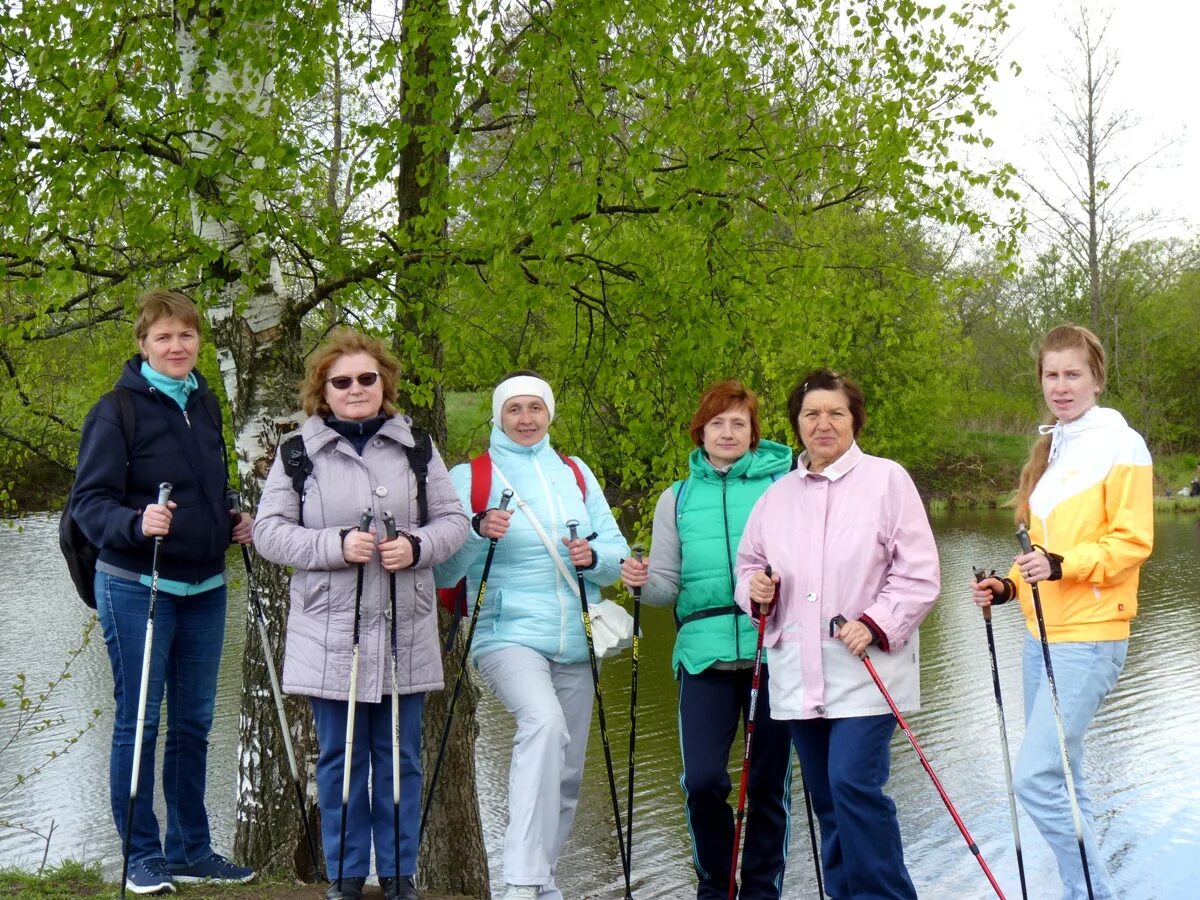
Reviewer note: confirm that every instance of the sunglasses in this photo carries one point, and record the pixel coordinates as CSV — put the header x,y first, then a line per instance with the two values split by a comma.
x,y
341,382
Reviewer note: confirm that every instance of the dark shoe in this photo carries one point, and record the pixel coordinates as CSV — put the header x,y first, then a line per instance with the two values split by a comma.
x,y
149,876
216,868
402,888
352,888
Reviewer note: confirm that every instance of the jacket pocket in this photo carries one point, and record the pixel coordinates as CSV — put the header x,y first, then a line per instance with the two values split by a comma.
x,y
311,588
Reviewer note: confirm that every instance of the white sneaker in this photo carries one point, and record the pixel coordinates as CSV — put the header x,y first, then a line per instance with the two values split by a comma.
x,y
521,892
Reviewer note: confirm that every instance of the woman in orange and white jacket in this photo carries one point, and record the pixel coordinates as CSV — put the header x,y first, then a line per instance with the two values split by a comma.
x,y
1087,494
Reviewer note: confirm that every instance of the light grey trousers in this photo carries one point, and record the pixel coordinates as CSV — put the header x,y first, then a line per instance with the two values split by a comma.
x,y
552,705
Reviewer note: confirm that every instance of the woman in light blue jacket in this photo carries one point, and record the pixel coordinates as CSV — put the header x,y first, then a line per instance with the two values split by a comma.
x,y
529,644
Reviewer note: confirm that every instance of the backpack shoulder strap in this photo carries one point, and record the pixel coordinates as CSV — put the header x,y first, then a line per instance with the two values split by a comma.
x,y
213,405
419,455
297,465
481,481
125,415
577,472
680,488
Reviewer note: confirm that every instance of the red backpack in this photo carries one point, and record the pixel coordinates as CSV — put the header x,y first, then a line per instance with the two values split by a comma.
x,y
454,599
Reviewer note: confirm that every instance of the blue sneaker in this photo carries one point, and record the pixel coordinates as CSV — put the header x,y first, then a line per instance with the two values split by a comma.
x,y
149,876
215,868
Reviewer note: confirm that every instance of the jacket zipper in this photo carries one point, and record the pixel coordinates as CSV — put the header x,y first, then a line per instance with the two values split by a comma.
x,y
562,610
737,643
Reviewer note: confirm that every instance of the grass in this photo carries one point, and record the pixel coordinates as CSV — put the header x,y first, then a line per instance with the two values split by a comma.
x,y
974,468
467,421
979,468
75,879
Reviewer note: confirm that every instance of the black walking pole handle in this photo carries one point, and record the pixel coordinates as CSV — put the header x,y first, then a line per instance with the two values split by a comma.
x,y
980,576
835,623
1023,538
638,550
389,525
573,528
364,522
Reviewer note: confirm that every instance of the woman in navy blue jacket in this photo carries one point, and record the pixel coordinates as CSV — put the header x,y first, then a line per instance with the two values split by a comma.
x,y
176,439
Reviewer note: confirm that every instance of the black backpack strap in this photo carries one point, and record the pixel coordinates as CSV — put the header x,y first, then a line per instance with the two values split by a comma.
x,y
297,465
419,456
213,405
125,415
731,610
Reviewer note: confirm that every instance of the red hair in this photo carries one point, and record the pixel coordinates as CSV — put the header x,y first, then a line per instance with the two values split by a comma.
x,y
720,397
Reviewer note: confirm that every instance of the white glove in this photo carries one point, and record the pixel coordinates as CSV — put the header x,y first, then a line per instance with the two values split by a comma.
x,y
612,628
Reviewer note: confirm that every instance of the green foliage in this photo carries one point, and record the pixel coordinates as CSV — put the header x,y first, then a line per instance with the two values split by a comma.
x,y
1152,323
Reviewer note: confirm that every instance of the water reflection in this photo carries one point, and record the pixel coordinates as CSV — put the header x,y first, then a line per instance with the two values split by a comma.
x,y
1140,763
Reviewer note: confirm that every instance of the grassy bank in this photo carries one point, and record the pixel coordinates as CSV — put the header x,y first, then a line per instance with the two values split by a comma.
x,y
76,880
981,469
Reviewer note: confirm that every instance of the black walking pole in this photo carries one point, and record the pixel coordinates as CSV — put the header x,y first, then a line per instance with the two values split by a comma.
x,y
633,686
748,744
389,526
812,836
269,654
505,497
980,575
573,528
364,524
834,624
164,494
1027,547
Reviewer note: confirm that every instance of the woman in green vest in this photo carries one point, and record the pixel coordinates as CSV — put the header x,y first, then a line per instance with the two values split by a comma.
x,y
697,526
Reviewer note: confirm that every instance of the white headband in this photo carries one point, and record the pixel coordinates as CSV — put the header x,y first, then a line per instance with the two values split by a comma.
x,y
521,386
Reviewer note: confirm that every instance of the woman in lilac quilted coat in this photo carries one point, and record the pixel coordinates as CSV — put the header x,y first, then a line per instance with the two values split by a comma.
x,y
358,445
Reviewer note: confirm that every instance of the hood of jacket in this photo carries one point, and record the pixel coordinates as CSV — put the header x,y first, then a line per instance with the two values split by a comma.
x,y
765,460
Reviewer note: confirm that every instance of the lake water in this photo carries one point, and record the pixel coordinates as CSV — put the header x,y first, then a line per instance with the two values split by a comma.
x,y
1141,751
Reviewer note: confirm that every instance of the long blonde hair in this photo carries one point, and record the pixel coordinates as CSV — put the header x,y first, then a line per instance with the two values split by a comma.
x,y
1064,337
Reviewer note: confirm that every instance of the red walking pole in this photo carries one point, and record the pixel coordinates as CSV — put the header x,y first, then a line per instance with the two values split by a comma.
x,y
741,807
837,622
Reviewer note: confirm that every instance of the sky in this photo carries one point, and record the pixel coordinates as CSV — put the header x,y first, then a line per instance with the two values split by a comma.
x,y
1157,45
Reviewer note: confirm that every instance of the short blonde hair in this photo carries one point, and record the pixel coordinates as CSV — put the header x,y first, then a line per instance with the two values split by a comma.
x,y
346,342
154,306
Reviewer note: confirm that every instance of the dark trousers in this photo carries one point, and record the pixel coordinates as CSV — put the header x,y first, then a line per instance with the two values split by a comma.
x,y
846,764
711,706
370,810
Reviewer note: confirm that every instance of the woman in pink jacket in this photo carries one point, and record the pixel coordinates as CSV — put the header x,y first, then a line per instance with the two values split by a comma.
x,y
845,534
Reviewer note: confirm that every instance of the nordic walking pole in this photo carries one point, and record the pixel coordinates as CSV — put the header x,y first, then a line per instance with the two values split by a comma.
x,y
573,528
1027,547
980,575
836,623
364,524
389,526
164,494
505,497
269,655
749,742
633,686
812,837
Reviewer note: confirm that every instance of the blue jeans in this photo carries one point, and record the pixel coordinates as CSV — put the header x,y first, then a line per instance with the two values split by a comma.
x,y
369,812
712,705
846,763
188,636
1084,673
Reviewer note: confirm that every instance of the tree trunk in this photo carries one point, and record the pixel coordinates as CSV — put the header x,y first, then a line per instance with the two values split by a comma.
x,y
260,364
453,859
